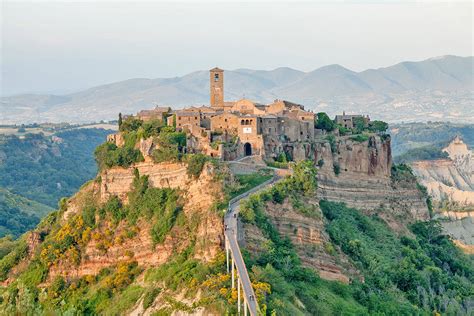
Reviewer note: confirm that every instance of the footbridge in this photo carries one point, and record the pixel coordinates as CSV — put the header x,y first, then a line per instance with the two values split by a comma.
x,y
235,262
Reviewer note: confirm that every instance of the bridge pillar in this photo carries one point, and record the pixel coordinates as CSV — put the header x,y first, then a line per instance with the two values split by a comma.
x,y
245,306
233,282
227,253
238,296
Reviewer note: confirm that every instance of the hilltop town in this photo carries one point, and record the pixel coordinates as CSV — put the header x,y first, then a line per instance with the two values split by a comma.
x,y
234,129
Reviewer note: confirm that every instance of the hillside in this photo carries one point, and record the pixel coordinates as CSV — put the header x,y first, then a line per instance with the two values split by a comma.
x,y
37,171
434,89
18,214
145,237
424,141
45,169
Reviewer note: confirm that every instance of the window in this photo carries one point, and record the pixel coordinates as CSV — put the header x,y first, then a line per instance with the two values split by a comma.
x,y
242,122
216,77
195,117
225,120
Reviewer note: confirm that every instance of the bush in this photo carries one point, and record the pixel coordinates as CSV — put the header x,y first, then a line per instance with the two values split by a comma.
x,y
196,163
320,163
332,143
170,145
12,258
337,169
360,138
150,297
108,155
130,124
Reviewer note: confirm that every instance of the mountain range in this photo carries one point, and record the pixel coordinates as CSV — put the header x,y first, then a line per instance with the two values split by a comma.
x,y
436,89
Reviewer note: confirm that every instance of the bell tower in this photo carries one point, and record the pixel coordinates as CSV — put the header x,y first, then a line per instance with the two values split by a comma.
x,y
217,87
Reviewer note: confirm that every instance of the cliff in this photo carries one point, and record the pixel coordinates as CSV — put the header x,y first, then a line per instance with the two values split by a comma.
x,y
307,234
118,182
359,174
450,182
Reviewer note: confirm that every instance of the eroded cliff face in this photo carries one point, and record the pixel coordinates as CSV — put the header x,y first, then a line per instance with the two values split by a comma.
x,y
364,180
450,182
309,237
198,196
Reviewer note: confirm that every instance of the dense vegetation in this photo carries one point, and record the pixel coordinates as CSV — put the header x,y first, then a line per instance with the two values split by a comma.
x,y
169,144
421,274
37,171
44,170
18,214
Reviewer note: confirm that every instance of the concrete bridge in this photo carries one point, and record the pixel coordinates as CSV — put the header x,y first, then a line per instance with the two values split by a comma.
x,y
235,261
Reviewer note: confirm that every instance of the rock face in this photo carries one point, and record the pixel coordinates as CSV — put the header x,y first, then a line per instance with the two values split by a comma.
x,y
117,181
364,179
198,195
450,182
307,234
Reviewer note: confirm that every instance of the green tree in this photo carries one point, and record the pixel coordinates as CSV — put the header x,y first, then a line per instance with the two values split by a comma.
x,y
120,120
378,126
324,122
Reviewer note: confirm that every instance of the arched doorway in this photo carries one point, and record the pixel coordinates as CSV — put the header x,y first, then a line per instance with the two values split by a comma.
x,y
248,149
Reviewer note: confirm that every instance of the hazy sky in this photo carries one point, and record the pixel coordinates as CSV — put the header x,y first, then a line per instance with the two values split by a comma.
x,y
59,47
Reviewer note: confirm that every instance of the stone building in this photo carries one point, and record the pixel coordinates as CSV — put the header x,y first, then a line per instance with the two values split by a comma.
x,y
234,129
159,113
348,120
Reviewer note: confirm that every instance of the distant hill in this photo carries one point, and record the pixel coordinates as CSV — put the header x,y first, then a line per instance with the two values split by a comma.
x,y
419,141
434,89
44,169
18,214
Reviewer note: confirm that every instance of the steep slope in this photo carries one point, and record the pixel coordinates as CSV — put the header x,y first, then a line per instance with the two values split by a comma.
x,y
423,89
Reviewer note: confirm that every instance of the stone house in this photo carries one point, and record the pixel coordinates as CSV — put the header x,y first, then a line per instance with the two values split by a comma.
x,y
348,120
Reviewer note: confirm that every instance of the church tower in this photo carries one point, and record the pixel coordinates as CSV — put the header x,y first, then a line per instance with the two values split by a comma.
x,y
217,87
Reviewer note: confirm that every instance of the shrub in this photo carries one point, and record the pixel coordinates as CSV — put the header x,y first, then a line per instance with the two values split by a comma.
x,y
166,153
150,297
320,163
378,126
360,138
108,155
12,258
130,124
196,163
360,124
337,169
332,143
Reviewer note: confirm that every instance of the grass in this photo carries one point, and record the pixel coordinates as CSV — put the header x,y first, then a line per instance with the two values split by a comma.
x,y
249,181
